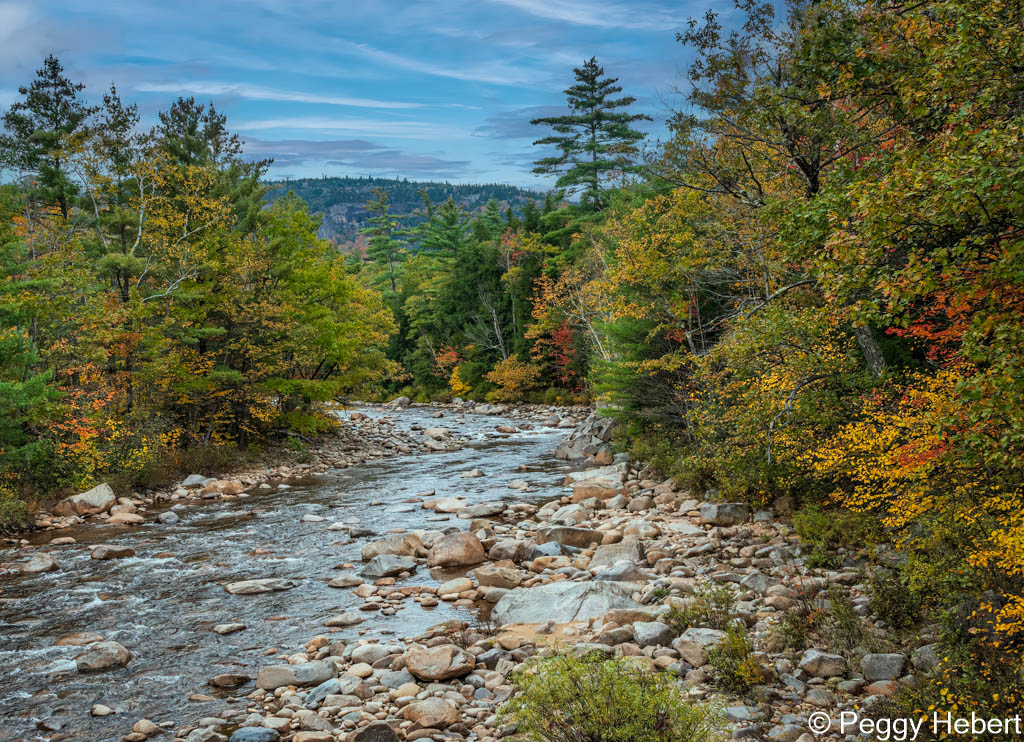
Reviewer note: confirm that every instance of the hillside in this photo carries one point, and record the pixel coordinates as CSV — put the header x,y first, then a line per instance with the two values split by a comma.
x,y
341,201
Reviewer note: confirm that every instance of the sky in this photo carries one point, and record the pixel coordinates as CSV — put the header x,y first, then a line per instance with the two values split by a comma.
x,y
422,89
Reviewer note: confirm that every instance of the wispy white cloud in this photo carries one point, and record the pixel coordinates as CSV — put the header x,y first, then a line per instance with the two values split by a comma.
x,y
597,14
494,73
366,127
256,92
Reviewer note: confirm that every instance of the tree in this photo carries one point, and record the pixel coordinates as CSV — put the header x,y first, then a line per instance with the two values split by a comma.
x,y
384,249
594,140
38,129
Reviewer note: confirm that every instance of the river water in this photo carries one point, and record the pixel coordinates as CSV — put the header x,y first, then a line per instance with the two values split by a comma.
x,y
162,603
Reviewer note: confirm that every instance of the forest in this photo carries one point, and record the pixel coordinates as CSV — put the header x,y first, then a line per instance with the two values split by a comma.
x,y
812,288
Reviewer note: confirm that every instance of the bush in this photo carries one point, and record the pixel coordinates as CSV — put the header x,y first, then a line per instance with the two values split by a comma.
x,y
592,699
13,512
893,601
710,608
828,530
733,668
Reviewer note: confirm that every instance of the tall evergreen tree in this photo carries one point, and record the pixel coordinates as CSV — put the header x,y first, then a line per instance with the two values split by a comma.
x,y
384,248
37,130
594,140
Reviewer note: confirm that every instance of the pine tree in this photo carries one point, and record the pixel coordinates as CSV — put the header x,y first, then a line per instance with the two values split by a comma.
x,y
38,128
384,247
594,140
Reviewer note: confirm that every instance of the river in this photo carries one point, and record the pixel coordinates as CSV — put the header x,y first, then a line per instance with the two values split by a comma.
x,y
163,602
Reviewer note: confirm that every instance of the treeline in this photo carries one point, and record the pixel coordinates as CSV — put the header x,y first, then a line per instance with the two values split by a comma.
x,y
151,307
814,288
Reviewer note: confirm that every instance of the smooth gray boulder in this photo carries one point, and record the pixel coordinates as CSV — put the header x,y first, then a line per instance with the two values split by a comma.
x,y
103,656
261,585
629,549
388,565
693,644
882,666
562,602
97,500
652,634
724,513
308,673
569,536
820,664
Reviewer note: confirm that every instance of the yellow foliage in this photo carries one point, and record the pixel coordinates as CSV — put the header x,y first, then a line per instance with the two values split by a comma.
x,y
513,378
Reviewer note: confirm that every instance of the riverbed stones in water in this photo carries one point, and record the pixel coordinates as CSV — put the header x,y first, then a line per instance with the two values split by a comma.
x,y
78,639
345,581
272,677
40,563
105,655
168,517
111,551
397,544
228,628
343,619
229,680
456,550
388,565
563,602
97,500
439,663
261,585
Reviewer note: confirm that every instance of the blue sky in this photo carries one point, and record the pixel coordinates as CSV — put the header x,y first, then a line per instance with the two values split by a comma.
x,y
435,89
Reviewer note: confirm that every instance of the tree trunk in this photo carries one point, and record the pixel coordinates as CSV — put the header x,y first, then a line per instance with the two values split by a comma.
x,y
871,350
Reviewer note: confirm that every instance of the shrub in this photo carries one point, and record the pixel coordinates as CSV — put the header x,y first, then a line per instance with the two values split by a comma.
x,y
13,511
893,600
733,668
827,530
593,699
710,608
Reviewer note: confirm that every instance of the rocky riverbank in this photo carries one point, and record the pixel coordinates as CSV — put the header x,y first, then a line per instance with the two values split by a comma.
x,y
618,563
610,567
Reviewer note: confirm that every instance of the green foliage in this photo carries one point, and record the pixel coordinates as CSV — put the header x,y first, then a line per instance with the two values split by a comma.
x,y
14,515
827,530
893,600
733,667
591,699
709,608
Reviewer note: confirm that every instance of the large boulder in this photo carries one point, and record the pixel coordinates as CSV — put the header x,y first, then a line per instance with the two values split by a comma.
x,y
439,663
820,664
39,563
504,577
693,644
724,513
587,439
111,551
399,544
882,666
515,550
378,731
652,634
433,713
569,536
97,500
104,655
402,401
305,674
563,602
388,565
629,549
456,550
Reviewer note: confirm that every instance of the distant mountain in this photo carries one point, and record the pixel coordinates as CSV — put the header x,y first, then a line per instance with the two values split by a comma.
x,y
341,201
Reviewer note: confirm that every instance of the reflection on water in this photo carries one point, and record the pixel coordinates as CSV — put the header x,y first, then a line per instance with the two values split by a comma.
x,y
163,602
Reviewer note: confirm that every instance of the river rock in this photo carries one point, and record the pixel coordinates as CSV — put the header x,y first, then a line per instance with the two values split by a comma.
x,y
104,655
110,551
261,585
504,577
397,544
436,713
388,565
168,517
193,481
222,487
693,644
439,663
402,401
628,549
562,602
254,734
482,510
97,500
882,666
228,628
348,618
271,677
378,731
624,571
345,581
514,550
724,513
652,634
456,550
126,519
569,536
820,664
40,563
78,639
229,680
